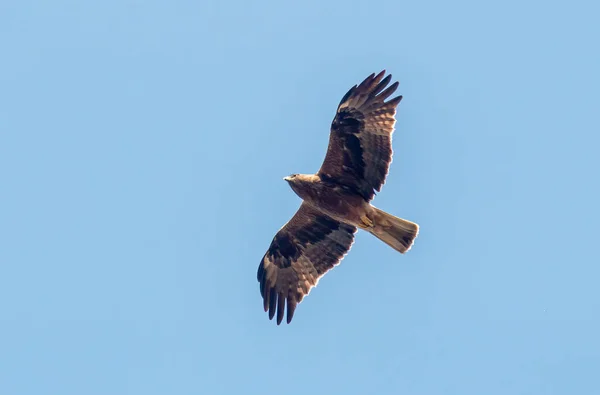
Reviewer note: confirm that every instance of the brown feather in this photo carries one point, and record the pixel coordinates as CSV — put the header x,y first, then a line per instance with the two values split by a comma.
x,y
355,167
381,85
360,143
303,250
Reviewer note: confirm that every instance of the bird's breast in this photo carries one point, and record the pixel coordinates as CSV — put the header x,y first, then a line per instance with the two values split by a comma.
x,y
336,202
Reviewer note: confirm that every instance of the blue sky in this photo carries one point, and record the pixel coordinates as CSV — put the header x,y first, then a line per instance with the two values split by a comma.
x,y
142,150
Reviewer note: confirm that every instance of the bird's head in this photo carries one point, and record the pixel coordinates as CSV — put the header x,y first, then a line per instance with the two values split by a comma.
x,y
300,182
291,178
300,178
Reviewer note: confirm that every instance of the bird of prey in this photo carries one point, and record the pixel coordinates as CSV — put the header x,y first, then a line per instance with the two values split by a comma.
x,y
336,200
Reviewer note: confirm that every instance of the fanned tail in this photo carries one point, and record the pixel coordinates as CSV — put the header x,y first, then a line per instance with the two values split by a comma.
x,y
398,233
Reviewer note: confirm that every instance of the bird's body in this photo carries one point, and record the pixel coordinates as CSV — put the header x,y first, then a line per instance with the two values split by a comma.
x,y
336,200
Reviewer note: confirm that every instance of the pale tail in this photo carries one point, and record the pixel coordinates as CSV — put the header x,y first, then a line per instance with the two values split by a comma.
x,y
396,232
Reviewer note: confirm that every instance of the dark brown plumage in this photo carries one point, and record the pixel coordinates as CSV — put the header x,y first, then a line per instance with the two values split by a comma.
x,y
336,200
360,142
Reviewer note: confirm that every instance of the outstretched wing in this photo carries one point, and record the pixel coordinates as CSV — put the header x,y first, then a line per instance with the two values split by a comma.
x,y
360,142
308,246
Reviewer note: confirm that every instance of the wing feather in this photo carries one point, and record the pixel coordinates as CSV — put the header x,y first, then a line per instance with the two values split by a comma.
x,y
360,142
303,250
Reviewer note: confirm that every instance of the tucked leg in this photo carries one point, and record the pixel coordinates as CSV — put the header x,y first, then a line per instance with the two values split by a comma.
x,y
365,222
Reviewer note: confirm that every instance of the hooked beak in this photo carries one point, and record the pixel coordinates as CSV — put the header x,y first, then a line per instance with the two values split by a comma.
x,y
288,178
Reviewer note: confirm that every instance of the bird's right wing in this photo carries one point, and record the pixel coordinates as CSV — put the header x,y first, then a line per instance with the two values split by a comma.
x,y
360,143
303,250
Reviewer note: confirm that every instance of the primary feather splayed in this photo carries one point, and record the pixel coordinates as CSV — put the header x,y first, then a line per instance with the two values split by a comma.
x,y
336,200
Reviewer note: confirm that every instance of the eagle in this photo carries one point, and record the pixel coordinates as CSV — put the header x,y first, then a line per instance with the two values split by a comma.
x,y
336,200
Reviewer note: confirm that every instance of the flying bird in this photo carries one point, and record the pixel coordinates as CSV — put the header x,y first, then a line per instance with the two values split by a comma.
x,y
336,200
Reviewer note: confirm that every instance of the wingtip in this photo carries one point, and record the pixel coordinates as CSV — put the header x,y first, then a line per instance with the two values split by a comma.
x,y
395,101
366,82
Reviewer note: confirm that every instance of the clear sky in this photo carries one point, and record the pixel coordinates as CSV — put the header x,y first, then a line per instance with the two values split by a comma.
x,y
142,150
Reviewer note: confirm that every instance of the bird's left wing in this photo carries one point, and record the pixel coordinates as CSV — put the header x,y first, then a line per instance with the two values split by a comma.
x,y
303,250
